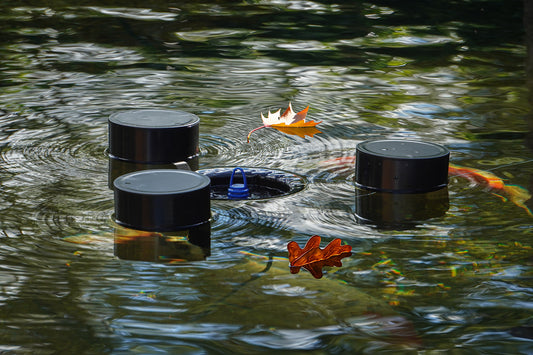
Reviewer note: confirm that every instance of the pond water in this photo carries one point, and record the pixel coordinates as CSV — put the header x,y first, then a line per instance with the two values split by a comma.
x,y
446,72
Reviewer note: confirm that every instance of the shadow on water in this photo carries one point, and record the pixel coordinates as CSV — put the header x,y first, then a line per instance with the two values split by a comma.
x,y
446,72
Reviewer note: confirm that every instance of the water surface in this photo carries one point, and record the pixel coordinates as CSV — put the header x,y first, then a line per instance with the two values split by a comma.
x,y
449,73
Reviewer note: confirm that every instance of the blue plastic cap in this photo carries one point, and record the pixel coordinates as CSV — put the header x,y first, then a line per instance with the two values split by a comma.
x,y
238,191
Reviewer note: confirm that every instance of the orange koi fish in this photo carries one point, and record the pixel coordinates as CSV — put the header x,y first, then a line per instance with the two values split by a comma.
x,y
477,176
516,194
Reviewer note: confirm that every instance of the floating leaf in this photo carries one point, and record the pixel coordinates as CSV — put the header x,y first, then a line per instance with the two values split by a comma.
x,y
313,259
289,122
299,131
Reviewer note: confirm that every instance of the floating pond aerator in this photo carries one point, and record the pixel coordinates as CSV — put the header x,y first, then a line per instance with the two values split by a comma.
x,y
162,200
401,166
173,204
400,181
152,139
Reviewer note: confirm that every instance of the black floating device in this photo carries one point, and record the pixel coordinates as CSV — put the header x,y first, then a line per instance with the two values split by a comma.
x,y
151,139
162,200
402,166
400,182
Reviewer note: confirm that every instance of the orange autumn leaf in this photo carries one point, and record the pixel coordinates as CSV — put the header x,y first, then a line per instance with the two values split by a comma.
x,y
289,122
313,259
301,131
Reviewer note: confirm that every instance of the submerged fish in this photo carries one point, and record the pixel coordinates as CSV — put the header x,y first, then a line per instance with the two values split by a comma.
x,y
477,176
516,194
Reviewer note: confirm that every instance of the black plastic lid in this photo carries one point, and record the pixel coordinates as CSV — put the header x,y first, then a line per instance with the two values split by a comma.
x,y
153,136
401,166
162,199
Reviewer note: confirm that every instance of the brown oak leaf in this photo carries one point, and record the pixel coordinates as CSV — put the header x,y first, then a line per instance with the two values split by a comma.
x,y
313,259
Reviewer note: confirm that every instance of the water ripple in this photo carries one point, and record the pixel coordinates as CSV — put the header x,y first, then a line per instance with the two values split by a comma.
x,y
48,151
135,13
367,71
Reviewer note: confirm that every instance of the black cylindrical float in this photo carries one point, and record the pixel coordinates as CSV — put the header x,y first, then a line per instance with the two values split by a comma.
x,y
400,181
162,200
401,166
151,139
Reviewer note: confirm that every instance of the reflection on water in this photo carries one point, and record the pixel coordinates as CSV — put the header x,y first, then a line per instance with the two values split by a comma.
x,y
185,245
398,210
450,73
